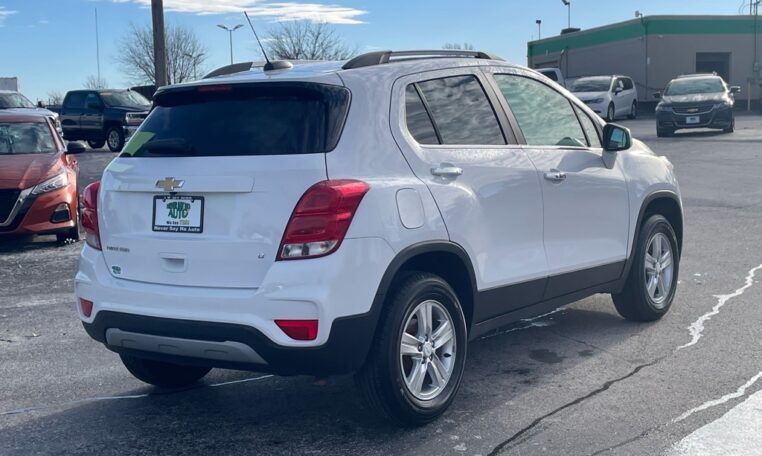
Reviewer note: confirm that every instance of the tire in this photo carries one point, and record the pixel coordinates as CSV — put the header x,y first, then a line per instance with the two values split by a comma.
x,y
72,234
664,133
611,113
384,380
96,144
633,111
732,126
159,373
636,302
115,139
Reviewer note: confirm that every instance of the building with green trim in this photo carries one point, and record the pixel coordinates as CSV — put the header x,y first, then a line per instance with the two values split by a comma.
x,y
654,49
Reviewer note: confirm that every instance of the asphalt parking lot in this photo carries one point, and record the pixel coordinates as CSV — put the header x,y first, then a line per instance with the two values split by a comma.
x,y
579,381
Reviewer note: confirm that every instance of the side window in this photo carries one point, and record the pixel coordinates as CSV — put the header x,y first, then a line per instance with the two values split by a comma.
x,y
587,124
92,98
545,116
75,100
628,85
461,111
418,121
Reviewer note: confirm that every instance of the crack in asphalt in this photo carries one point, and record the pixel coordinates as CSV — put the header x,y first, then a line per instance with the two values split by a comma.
x,y
601,389
128,396
696,330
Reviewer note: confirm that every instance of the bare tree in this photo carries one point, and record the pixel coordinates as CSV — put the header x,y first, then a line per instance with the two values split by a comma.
x,y
302,40
93,82
55,97
459,46
185,54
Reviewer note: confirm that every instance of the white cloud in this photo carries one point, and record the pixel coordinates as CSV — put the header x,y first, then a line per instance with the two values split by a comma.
x,y
277,11
5,13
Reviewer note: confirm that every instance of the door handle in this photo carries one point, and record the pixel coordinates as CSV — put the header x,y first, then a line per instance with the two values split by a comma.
x,y
446,170
555,175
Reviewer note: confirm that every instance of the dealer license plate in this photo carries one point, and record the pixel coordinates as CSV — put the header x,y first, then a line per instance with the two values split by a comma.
x,y
178,214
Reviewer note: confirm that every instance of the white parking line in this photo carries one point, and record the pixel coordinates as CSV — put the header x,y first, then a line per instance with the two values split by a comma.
x,y
737,433
697,327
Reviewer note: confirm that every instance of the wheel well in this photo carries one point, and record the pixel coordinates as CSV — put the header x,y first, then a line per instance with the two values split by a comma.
x,y
670,209
452,269
110,123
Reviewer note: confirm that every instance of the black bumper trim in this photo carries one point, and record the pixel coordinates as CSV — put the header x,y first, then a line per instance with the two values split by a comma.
x,y
344,351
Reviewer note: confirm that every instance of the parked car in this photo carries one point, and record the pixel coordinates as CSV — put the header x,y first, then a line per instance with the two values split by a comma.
x,y
554,74
608,96
261,221
696,101
11,101
38,178
103,116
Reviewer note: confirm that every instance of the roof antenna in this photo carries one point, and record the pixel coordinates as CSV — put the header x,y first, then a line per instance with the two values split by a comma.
x,y
269,66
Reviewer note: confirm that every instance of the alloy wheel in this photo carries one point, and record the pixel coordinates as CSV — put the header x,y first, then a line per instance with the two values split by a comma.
x,y
427,350
659,269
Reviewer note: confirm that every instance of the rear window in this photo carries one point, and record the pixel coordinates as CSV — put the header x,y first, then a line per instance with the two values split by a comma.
x,y
251,119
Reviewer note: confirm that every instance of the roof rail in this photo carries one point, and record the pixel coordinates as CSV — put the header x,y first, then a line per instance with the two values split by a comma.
x,y
696,75
381,57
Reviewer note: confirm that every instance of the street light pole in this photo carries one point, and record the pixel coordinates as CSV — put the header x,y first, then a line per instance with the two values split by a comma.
x,y
230,32
539,28
568,12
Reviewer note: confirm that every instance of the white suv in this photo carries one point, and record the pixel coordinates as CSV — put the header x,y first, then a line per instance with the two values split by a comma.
x,y
608,96
368,216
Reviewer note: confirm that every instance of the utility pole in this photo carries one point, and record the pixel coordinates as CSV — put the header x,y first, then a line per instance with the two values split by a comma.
x,y
159,43
97,47
539,28
230,31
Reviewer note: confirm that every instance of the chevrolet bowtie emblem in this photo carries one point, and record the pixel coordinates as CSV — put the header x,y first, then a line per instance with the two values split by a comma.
x,y
169,184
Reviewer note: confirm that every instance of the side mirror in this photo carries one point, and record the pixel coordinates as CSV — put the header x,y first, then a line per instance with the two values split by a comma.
x,y
40,105
75,147
618,90
616,138
735,89
657,95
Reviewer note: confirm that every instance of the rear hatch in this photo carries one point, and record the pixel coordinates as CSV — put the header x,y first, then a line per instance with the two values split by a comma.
x,y
202,194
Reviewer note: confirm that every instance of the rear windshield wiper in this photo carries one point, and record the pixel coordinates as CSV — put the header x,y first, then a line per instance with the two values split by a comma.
x,y
170,146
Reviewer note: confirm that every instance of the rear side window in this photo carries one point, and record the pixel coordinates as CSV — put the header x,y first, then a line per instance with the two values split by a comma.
x,y
243,119
545,116
75,100
550,75
461,111
418,121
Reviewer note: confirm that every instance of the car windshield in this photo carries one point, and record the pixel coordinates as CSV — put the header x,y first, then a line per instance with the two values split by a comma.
x,y
14,100
591,85
694,86
25,138
125,98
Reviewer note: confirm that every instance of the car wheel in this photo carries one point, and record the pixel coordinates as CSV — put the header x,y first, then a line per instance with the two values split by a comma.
x,y
73,234
652,280
663,132
611,113
732,126
633,111
159,373
115,139
96,144
416,363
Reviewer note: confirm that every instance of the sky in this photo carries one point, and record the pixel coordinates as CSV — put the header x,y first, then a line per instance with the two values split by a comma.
x,y
50,45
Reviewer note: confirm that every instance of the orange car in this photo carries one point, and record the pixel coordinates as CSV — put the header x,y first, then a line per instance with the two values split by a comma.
x,y
38,178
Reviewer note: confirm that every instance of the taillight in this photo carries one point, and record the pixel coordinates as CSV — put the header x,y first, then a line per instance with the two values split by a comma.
x,y
88,218
299,329
86,306
321,219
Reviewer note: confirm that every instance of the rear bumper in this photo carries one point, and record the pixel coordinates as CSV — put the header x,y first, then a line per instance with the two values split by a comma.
x,y
338,290
178,340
